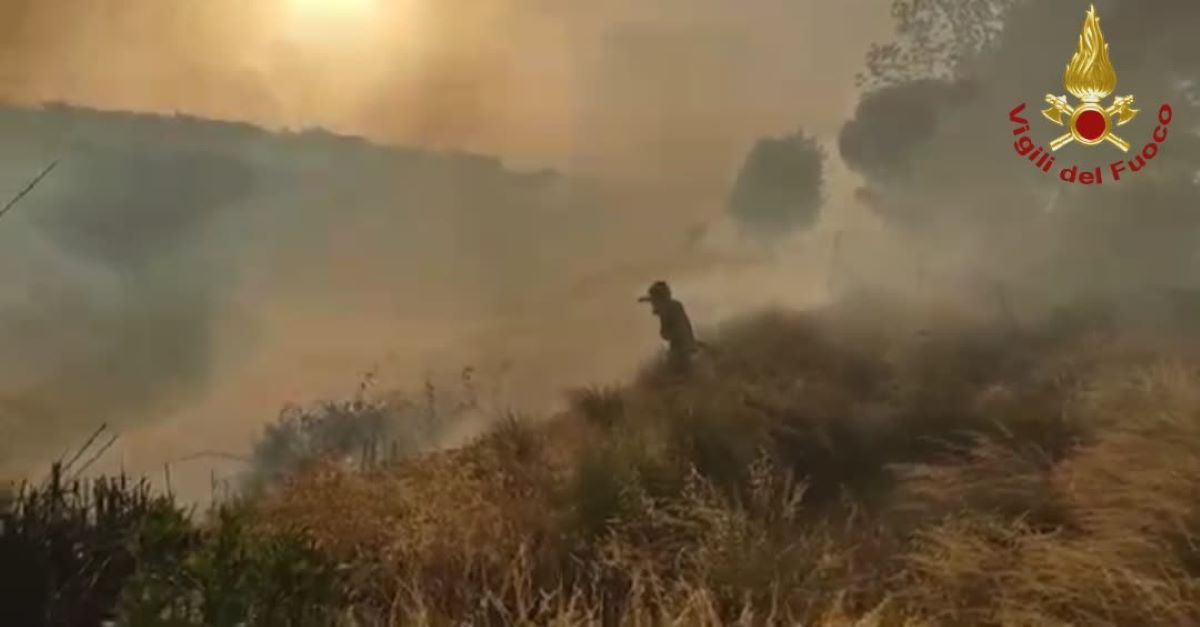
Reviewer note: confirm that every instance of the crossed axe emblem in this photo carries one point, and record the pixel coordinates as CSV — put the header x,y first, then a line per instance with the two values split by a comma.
x,y
1121,108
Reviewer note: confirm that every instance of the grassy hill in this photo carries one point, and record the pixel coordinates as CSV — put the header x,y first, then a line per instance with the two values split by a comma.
x,y
819,468
166,251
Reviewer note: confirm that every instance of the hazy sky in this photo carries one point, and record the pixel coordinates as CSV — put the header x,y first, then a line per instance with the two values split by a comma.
x,y
659,98
574,83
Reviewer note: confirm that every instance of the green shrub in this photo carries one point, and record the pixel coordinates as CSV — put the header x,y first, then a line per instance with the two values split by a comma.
x,y
231,574
67,546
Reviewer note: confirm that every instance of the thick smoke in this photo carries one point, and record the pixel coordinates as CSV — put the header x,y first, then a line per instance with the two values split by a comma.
x,y
936,152
306,257
666,93
163,251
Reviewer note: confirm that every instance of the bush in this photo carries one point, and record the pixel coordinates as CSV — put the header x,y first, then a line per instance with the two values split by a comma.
x,y
229,574
67,547
85,552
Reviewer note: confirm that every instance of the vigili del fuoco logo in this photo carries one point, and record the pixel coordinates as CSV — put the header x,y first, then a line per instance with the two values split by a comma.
x,y
1091,79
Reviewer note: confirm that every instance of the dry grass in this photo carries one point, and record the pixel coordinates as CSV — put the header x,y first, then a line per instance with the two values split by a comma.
x,y
816,470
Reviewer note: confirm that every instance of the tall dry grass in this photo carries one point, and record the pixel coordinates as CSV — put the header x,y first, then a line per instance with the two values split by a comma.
x,y
816,469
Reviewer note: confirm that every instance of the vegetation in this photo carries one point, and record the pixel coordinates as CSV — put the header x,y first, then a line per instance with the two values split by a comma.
x,y
818,468
85,552
863,464
780,188
363,431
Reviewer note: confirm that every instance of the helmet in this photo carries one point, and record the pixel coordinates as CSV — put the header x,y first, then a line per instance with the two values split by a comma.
x,y
658,290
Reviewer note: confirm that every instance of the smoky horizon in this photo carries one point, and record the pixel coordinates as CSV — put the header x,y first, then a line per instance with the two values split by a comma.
x,y
257,205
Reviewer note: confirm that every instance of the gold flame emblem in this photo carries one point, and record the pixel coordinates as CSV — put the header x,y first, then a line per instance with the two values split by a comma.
x,y
1090,77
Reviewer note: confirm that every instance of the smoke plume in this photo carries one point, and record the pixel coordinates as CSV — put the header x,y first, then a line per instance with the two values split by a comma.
x,y
936,151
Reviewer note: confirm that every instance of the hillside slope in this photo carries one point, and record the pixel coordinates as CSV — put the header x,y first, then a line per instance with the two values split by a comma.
x,y
819,468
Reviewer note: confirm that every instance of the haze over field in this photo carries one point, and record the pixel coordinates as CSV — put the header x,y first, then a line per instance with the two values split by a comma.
x,y
204,270
356,283
666,87
183,276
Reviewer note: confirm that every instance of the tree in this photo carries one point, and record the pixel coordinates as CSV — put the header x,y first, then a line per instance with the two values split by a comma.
x,y
929,140
780,186
934,38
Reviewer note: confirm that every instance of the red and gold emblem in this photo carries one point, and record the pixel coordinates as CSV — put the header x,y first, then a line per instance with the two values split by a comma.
x,y
1090,77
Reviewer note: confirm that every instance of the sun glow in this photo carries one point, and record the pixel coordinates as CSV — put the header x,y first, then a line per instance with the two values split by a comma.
x,y
341,20
350,26
326,9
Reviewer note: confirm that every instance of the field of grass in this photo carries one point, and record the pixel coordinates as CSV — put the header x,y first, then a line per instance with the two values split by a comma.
x,y
818,468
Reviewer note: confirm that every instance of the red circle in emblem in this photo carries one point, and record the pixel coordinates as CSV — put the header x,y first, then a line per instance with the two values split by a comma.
x,y
1091,125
